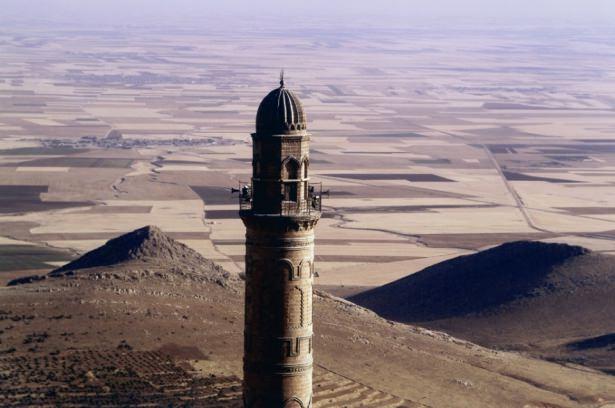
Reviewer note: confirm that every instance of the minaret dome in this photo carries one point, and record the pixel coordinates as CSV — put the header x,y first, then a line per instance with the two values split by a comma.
x,y
280,112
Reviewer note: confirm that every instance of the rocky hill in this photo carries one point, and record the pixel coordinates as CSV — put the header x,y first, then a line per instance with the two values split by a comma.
x,y
148,245
144,253
548,299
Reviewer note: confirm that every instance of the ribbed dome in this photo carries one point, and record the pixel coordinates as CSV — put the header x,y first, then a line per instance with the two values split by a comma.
x,y
280,112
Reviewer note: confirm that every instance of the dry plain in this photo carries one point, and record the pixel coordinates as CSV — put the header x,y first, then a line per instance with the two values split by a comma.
x,y
430,145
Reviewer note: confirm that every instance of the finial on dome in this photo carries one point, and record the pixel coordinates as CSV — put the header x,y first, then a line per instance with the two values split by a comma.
x,y
282,78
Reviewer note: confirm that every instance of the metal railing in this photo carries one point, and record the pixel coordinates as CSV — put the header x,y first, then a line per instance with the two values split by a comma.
x,y
311,204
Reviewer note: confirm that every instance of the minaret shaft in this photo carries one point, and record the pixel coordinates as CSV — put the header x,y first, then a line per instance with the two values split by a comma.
x,y
278,315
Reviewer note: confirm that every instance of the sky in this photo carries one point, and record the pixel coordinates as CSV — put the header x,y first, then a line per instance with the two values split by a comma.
x,y
344,12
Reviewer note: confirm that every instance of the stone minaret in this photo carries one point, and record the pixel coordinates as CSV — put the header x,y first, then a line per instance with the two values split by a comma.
x,y
280,210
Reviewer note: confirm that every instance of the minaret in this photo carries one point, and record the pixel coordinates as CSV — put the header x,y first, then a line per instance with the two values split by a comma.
x,y
280,210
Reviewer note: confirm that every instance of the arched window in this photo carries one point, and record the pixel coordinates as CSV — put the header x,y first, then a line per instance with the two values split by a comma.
x,y
290,169
304,166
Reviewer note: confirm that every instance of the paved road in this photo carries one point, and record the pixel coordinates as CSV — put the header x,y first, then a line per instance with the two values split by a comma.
x,y
519,202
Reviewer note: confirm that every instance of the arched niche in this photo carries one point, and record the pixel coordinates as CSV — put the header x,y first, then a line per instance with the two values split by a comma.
x,y
305,269
293,402
286,269
290,168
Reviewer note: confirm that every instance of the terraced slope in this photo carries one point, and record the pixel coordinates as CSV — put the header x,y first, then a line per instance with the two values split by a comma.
x,y
333,390
150,330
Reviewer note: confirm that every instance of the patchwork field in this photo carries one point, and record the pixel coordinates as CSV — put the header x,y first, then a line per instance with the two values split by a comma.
x,y
431,145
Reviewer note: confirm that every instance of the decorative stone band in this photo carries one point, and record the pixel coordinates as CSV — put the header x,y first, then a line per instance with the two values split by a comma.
x,y
274,223
277,369
294,346
282,243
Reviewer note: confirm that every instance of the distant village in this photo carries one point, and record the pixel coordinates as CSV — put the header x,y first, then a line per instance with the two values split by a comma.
x,y
115,140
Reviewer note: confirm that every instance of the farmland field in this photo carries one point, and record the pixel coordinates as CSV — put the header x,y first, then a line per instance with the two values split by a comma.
x,y
429,145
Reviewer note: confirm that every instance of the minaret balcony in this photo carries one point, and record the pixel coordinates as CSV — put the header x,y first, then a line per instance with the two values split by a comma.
x,y
311,205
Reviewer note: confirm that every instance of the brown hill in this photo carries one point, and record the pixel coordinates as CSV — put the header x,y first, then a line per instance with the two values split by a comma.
x,y
148,244
136,333
144,253
554,300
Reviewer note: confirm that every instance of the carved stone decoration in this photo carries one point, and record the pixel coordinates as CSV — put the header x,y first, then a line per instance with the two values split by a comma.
x,y
289,348
280,217
294,402
294,308
307,308
302,269
301,307
286,270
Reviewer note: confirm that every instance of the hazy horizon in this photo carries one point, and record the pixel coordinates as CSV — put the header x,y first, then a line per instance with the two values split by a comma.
x,y
277,13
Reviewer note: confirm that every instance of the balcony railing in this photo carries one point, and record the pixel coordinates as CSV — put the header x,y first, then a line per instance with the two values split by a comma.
x,y
311,204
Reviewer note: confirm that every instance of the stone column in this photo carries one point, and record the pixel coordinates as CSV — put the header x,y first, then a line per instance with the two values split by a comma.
x,y
278,310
